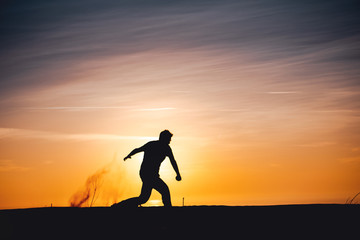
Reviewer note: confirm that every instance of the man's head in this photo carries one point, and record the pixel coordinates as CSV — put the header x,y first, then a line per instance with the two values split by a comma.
x,y
165,136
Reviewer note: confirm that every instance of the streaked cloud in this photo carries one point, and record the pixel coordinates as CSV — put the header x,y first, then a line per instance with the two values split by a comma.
x,y
74,108
289,92
53,136
317,144
95,108
39,43
355,159
10,166
155,109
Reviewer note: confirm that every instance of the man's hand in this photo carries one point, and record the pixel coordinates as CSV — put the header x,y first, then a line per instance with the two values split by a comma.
x,y
178,178
126,157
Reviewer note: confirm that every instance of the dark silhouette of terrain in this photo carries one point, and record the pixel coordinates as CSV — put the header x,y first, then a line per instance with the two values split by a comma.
x,y
216,222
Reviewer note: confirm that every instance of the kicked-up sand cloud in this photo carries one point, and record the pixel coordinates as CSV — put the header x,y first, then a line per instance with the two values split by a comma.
x,y
105,184
90,192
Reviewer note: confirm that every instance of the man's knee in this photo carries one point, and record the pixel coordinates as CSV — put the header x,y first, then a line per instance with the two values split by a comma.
x,y
144,195
165,189
165,193
143,199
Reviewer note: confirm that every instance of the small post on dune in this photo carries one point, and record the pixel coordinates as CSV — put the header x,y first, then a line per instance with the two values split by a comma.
x,y
183,201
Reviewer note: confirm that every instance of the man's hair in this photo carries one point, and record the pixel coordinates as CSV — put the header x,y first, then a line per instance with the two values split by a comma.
x,y
165,134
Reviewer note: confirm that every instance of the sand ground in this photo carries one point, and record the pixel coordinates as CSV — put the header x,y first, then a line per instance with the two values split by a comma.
x,y
319,221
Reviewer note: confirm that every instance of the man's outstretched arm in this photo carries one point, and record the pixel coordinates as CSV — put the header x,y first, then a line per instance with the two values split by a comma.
x,y
135,151
175,166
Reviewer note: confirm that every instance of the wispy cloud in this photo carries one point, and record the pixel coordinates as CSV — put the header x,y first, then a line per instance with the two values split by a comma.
x,y
155,109
10,166
38,42
94,108
355,159
283,92
75,108
34,134
316,144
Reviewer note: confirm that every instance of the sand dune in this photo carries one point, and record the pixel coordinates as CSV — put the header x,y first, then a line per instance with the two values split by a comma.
x,y
241,222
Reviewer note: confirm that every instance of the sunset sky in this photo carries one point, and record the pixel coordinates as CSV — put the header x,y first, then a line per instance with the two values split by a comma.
x,y
263,99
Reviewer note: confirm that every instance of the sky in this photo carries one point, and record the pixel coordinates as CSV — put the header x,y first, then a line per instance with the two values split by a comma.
x,y
262,98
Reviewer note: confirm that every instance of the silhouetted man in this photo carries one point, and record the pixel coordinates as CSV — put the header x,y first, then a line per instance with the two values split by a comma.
x,y
154,154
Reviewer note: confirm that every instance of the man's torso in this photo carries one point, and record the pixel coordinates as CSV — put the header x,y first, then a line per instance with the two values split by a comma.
x,y
154,154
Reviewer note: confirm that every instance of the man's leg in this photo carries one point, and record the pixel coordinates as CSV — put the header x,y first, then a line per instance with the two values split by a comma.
x,y
162,188
130,202
136,201
145,192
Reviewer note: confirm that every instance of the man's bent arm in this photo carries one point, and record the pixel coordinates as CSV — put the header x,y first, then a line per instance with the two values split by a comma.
x,y
135,151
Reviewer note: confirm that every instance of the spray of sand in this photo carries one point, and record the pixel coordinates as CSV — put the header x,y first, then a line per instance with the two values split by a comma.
x,y
104,183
